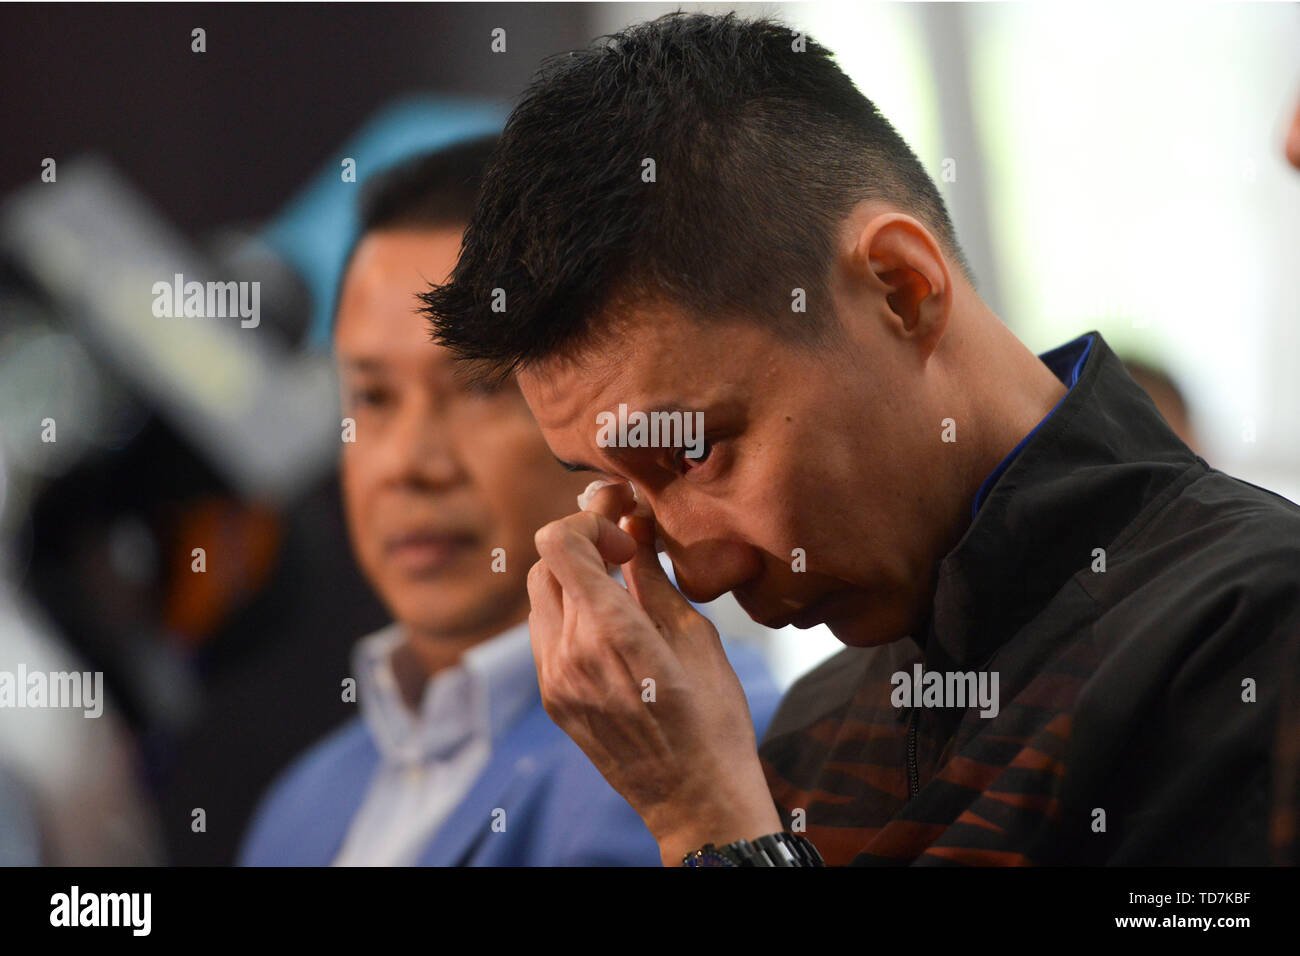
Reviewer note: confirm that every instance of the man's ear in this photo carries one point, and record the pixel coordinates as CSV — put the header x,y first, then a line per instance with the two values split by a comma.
x,y
901,259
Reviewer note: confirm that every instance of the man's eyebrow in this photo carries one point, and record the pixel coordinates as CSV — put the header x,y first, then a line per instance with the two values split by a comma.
x,y
362,364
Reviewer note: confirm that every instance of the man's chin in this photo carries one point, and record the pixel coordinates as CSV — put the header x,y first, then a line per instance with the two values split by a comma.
x,y
860,634
809,616
850,616
453,614
829,609
870,629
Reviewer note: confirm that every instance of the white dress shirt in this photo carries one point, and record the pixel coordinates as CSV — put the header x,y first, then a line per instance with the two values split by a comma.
x,y
430,760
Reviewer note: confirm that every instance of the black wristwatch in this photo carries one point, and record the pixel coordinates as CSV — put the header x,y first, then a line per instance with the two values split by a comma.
x,y
775,849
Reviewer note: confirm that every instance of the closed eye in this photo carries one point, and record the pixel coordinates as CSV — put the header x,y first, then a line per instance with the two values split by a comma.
x,y
570,466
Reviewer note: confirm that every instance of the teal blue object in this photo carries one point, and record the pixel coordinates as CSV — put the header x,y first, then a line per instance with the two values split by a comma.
x,y
315,230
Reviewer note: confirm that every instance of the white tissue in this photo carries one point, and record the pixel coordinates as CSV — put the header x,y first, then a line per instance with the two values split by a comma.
x,y
589,492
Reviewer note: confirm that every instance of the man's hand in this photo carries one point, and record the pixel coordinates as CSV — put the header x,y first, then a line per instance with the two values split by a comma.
x,y
638,678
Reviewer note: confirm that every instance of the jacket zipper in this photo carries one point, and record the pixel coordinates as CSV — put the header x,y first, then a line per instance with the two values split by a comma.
x,y
913,777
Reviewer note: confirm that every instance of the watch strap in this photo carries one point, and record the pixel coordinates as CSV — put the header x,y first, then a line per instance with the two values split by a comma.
x,y
774,849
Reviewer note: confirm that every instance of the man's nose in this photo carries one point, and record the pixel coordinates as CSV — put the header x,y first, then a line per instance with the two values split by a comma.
x,y
423,447
707,567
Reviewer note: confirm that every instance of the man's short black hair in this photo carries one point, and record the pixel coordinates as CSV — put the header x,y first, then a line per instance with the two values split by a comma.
x,y
761,147
434,190
428,191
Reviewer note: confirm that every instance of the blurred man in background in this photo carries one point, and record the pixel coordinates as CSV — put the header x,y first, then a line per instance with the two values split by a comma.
x,y
453,760
1168,398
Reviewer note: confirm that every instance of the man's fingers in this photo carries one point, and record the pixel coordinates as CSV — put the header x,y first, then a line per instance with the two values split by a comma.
x,y
609,499
612,499
545,600
642,571
589,493
576,549
646,578
545,613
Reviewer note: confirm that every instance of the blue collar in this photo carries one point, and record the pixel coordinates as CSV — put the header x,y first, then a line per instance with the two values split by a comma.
x,y
1065,361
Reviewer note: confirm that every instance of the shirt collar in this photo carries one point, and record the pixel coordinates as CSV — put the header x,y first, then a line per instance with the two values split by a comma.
x,y
1074,484
494,682
1066,362
506,667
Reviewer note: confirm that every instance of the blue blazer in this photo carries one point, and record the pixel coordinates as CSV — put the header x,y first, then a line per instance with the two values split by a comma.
x,y
559,811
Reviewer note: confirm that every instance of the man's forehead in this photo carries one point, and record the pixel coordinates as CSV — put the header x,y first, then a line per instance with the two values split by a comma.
x,y
653,355
569,394
386,271
560,393
379,337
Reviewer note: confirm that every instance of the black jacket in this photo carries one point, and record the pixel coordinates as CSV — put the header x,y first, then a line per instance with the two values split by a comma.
x,y
1138,705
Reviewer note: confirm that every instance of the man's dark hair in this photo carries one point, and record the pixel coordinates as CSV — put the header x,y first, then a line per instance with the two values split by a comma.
x,y
428,191
432,190
761,145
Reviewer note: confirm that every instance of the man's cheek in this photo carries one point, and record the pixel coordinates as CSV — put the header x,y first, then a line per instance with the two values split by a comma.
x,y
363,529
370,552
